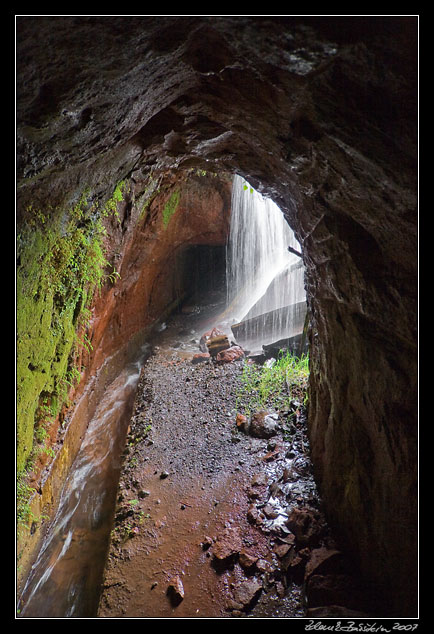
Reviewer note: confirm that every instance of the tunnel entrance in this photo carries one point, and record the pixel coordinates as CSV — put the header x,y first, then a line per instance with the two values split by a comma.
x,y
200,270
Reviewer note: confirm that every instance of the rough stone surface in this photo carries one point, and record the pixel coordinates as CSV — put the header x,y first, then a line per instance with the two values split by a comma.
x,y
331,136
264,424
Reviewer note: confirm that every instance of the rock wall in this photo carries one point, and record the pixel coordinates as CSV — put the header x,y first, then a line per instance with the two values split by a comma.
x,y
321,115
186,209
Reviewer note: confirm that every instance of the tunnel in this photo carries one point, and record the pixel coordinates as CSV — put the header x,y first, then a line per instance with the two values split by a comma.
x,y
127,119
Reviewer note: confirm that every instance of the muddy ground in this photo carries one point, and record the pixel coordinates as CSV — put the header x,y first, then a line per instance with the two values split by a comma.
x,y
212,522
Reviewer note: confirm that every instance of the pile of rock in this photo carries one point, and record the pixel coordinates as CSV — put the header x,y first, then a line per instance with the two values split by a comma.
x,y
307,556
215,345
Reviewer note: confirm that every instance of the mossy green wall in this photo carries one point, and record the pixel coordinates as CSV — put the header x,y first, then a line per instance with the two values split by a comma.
x,y
61,263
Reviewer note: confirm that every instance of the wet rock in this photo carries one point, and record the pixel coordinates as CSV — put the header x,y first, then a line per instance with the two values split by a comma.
x,y
247,561
210,334
217,344
343,590
175,590
306,524
201,357
254,516
323,561
246,594
230,354
242,422
227,546
264,424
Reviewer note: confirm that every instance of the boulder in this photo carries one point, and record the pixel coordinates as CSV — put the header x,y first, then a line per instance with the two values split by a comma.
x,y
264,424
230,354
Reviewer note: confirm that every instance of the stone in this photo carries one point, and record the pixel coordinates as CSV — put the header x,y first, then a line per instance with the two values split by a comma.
x,y
175,590
323,560
230,354
246,593
264,424
282,549
254,516
227,545
242,422
270,512
217,344
214,332
200,357
206,543
246,560
259,480
306,524
333,589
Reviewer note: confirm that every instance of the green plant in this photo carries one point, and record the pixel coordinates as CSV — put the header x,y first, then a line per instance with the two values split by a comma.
x,y
170,208
61,264
274,385
23,493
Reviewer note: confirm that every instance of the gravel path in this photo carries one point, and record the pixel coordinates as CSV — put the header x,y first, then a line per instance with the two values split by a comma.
x,y
200,520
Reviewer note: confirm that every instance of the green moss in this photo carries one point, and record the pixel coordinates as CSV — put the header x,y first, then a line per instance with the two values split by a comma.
x,y
170,208
61,264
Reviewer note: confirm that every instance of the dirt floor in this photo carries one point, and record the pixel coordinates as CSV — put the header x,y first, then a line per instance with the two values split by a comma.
x,y
211,522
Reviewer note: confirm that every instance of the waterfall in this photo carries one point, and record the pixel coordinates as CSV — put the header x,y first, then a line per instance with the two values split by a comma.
x,y
265,281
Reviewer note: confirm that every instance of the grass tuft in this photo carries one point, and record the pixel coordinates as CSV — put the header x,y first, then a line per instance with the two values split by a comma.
x,y
273,385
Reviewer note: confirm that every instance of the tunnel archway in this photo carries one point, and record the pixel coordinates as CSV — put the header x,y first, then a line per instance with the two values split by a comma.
x,y
319,114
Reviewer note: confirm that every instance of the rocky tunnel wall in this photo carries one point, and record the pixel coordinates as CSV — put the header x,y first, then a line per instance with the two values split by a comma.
x,y
321,115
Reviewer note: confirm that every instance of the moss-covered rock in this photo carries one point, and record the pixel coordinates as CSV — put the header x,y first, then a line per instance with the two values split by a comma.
x,y
61,263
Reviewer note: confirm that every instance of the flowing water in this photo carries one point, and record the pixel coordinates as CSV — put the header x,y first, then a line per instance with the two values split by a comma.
x,y
65,579
265,281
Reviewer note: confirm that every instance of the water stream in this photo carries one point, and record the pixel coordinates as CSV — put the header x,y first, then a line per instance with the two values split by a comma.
x,y
65,579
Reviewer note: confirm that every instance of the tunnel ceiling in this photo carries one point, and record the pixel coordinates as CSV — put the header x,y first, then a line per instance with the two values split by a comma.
x,y
318,113
100,97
